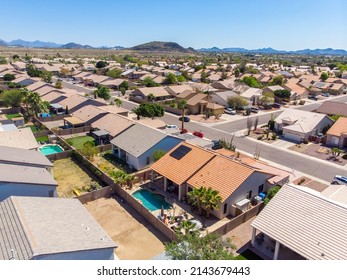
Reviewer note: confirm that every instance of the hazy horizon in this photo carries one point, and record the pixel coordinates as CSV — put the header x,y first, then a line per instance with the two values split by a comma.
x,y
294,25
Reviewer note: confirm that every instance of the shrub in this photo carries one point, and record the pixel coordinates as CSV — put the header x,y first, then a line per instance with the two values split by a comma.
x,y
302,102
305,141
344,156
260,137
274,136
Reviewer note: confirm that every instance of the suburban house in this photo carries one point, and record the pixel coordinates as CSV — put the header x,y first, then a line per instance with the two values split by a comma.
x,y
197,104
76,102
159,93
221,97
37,228
300,223
136,145
19,65
188,166
333,108
177,89
296,90
272,89
24,80
213,109
22,138
297,125
337,134
252,95
89,114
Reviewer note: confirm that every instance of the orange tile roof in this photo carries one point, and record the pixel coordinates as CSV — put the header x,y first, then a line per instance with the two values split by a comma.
x,y
221,174
339,127
179,171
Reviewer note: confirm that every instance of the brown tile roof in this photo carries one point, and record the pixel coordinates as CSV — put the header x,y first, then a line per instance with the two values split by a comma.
x,y
221,174
197,98
113,123
339,127
179,171
333,108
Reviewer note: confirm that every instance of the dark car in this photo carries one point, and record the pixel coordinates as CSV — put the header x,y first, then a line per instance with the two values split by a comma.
x,y
185,119
216,144
276,105
254,109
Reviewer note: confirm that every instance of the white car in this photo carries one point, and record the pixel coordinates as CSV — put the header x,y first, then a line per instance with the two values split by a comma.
x,y
230,111
171,126
339,180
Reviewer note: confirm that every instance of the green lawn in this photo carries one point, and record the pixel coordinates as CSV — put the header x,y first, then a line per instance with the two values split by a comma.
x,y
11,116
248,255
78,141
42,139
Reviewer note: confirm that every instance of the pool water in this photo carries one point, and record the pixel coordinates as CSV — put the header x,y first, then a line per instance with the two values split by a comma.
x,y
51,149
150,200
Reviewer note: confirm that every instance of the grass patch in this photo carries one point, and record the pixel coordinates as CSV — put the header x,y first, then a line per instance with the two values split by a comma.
x,y
42,139
248,255
11,116
78,141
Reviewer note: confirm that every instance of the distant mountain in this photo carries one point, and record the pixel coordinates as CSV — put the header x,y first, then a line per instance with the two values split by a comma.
x,y
118,48
3,43
157,46
328,51
34,44
75,46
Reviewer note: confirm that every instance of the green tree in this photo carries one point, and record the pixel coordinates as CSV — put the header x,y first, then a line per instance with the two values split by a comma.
x,y
185,74
32,71
324,76
187,227
151,97
118,102
336,152
335,117
196,196
158,154
170,79
3,60
114,73
101,64
15,57
204,77
46,76
11,98
122,178
102,92
89,150
181,79
251,82
58,84
271,193
211,201
148,82
237,102
237,72
149,110
282,94
278,80
267,98
181,104
9,77
192,247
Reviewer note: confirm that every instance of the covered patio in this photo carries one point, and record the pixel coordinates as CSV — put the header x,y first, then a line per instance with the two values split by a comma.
x,y
73,122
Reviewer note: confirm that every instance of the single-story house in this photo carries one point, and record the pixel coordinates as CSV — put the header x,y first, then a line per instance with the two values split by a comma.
x,y
159,93
188,166
297,125
272,89
299,223
19,65
51,229
333,108
24,80
26,180
136,145
214,109
89,114
22,138
337,134
252,95
197,104
75,102
177,89
221,97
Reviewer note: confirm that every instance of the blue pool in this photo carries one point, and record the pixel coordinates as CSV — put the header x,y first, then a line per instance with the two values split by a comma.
x,y
150,200
50,149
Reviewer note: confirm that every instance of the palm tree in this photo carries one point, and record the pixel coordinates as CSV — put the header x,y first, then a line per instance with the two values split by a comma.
x,y
187,226
196,196
181,104
211,200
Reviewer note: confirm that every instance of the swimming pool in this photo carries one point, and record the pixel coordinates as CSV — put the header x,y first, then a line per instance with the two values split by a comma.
x,y
150,200
50,149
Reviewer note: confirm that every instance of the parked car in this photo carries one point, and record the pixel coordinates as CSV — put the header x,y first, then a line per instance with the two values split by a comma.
x,y
254,109
276,105
171,126
312,97
339,180
198,134
185,119
216,144
230,111
325,94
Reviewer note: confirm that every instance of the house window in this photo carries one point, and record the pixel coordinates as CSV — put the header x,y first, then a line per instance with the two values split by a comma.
x,y
225,208
148,160
261,188
249,195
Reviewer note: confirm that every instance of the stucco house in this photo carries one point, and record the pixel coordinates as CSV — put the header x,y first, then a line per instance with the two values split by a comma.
x,y
188,166
337,134
297,125
39,228
136,145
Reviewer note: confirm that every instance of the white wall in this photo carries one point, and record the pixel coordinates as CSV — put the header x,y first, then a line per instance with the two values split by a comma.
x,y
8,189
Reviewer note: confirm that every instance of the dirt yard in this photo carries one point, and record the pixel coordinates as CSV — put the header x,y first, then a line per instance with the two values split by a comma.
x,y
135,237
69,177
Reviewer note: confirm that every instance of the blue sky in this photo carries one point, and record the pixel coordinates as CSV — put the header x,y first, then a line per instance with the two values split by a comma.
x,y
288,25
